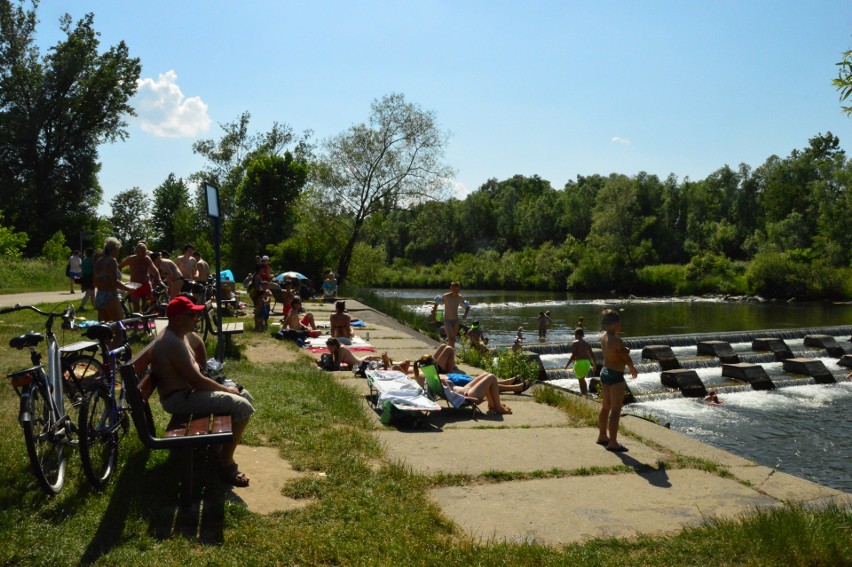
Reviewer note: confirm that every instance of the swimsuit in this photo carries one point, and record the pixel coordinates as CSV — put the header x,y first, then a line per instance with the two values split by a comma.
x,y
611,377
582,368
104,297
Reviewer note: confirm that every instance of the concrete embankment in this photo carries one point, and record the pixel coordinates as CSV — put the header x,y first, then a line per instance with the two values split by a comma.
x,y
661,485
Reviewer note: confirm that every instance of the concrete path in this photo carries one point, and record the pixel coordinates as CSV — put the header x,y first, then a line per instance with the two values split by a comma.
x,y
532,476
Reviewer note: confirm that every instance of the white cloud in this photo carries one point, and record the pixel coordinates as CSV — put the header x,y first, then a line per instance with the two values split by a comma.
x,y
165,112
620,140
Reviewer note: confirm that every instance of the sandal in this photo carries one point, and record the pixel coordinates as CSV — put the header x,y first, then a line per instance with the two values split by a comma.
x,y
526,386
617,449
502,410
232,475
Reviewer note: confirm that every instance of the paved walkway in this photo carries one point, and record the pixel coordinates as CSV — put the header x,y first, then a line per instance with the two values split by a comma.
x,y
585,491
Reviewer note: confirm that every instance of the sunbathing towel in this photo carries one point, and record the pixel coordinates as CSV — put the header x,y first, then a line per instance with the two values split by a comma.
x,y
320,350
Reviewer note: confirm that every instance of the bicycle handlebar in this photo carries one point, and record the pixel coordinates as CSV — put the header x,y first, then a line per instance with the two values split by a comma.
x,y
66,315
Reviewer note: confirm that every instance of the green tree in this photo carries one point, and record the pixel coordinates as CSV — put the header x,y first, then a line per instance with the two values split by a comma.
x,y
54,112
618,244
54,248
11,242
394,160
170,208
843,82
130,218
264,204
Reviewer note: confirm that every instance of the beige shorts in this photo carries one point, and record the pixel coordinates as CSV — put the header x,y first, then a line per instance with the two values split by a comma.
x,y
217,403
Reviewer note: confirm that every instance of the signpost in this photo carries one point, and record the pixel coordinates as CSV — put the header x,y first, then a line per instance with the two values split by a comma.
x,y
212,193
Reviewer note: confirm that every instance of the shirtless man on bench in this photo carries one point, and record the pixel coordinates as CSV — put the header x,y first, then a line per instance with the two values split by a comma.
x,y
183,389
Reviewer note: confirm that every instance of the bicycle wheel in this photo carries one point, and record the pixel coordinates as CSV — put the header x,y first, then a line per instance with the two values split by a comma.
x,y
98,436
81,373
45,446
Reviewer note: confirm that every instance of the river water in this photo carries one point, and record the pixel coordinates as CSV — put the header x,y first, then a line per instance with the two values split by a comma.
x,y
800,428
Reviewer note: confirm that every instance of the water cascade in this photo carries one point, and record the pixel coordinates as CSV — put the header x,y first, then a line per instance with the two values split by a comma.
x,y
716,363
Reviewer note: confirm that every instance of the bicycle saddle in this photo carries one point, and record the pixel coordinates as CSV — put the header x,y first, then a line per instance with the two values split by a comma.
x,y
31,339
99,333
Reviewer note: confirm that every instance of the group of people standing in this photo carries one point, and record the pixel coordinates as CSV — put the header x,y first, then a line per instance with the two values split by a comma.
x,y
101,279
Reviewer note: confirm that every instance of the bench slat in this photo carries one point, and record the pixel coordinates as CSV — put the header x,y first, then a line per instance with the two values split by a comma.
x,y
199,426
221,424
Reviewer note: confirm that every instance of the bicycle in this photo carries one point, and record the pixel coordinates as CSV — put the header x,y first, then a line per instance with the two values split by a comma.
x,y
155,304
151,307
48,429
103,414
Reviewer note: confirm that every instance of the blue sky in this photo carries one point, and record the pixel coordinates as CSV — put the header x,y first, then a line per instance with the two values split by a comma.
x,y
557,89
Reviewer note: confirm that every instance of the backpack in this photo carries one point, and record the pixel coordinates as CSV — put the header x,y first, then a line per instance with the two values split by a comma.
x,y
326,362
248,280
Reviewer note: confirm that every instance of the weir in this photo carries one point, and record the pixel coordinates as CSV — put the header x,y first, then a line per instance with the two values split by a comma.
x,y
843,332
713,350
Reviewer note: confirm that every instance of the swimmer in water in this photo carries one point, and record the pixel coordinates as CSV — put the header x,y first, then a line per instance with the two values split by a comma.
x,y
712,398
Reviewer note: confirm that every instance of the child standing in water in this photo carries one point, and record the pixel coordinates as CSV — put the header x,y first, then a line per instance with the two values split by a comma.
x,y
616,356
582,357
544,322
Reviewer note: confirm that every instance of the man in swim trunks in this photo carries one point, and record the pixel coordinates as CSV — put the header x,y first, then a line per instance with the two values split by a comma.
x,y
582,357
107,279
616,356
452,301
142,269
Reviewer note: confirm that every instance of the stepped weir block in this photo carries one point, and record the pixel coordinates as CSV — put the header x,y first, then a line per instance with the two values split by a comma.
x,y
777,346
845,360
754,374
825,341
720,349
811,367
662,354
687,381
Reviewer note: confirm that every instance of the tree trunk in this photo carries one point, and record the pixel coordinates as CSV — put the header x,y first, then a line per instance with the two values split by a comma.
x,y
346,255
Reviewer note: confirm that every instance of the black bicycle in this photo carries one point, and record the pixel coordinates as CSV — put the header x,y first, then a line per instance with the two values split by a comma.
x,y
104,417
45,400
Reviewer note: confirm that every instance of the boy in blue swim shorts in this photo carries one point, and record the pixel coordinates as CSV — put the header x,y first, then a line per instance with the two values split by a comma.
x,y
616,357
582,357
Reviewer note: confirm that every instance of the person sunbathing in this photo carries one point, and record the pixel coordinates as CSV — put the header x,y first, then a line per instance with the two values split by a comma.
x,y
481,388
343,357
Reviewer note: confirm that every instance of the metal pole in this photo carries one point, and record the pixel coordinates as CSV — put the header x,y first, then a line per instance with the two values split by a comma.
x,y
220,355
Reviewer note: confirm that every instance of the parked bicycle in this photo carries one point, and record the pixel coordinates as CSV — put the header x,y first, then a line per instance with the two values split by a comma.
x,y
44,406
155,304
104,417
150,307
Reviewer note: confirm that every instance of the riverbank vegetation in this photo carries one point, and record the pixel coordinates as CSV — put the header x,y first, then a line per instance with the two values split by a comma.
x,y
779,230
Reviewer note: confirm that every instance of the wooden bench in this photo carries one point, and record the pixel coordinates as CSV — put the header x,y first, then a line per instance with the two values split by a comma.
x,y
225,331
183,433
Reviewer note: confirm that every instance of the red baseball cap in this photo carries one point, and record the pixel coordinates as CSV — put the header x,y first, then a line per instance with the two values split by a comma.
x,y
180,305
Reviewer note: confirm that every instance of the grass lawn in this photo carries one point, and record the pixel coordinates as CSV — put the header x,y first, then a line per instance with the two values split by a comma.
x,y
364,509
